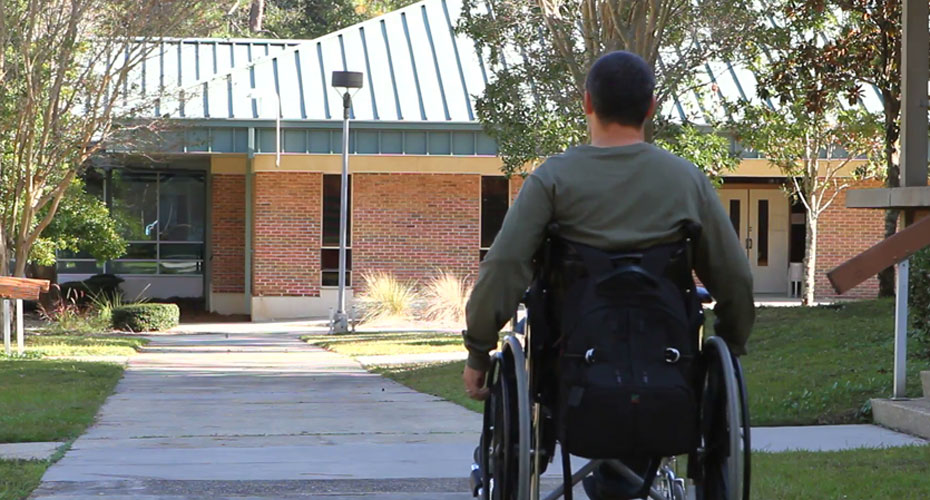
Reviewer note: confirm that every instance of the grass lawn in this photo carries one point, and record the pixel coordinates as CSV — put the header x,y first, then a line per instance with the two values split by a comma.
x,y
53,400
18,477
439,379
375,344
821,365
894,473
80,345
805,366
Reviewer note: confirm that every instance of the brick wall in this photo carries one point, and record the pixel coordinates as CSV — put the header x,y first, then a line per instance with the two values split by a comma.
x,y
844,233
413,224
227,238
287,235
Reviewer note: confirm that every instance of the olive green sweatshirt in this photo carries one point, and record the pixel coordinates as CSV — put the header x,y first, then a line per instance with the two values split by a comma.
x,y
612,198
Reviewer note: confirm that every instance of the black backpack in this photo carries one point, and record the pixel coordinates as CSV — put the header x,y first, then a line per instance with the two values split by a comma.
x,y
626,340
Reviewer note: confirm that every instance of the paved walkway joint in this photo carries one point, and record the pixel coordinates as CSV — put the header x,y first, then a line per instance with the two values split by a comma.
x,y
28,451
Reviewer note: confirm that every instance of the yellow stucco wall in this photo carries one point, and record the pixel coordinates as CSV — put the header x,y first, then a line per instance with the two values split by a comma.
x,y
479,165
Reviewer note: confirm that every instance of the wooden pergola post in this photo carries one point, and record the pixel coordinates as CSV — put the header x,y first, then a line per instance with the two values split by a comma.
x,y
7,342
914,76
913,193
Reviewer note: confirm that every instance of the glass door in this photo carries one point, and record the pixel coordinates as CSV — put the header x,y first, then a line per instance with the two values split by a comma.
x,y
760,219
736,203
769,224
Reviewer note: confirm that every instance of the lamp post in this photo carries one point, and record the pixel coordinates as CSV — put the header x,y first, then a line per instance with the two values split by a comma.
x,y
345,81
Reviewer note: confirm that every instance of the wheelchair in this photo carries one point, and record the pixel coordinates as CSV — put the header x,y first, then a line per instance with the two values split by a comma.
x,y
518,435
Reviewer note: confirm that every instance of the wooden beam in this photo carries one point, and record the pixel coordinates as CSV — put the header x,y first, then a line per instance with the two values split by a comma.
x,y
42,284
22,288
885,254
914,75
904,197
19,291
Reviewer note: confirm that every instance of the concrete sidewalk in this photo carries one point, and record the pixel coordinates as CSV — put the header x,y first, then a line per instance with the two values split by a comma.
x,y
264,415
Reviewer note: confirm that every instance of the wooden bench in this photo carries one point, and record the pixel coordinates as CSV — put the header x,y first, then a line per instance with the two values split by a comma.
x,y
18,290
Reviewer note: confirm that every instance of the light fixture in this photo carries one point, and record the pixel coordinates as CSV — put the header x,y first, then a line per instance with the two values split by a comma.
x,y
346,82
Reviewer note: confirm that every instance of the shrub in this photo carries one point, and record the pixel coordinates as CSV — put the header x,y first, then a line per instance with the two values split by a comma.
x,y
919,293
70,313
386,297
146,317
446,295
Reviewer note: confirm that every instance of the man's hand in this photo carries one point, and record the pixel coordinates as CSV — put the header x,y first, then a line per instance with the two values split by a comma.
x,y
474,384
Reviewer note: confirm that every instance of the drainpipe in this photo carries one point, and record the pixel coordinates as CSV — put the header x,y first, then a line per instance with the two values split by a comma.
x,y
249,188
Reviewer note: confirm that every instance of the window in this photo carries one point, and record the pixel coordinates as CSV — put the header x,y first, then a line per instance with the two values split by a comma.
x,y
160,214
762,254
329,254
495,199
798,230
734,216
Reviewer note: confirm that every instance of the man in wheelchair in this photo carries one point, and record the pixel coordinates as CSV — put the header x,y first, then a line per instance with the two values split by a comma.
x,y
613,307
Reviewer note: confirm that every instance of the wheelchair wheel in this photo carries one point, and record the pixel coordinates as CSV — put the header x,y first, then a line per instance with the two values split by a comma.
x,y
724,454
504,459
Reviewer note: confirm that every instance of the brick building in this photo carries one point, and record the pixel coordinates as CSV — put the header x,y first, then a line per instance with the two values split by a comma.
x,y
230,213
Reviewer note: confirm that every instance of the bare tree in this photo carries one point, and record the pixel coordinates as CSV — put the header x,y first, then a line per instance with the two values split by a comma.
x,y
66,74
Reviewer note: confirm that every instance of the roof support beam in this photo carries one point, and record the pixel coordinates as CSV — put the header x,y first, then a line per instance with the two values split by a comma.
x,y
914,75
887,253
904,197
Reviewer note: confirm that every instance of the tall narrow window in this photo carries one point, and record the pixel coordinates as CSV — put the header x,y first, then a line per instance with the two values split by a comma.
x,y
734,216
329,254
762,253
798,231
494,204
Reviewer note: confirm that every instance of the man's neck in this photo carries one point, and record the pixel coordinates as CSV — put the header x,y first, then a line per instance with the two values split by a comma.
x,y
614,135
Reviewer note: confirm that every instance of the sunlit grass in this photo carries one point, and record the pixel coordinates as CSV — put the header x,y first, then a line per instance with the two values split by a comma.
x,y
81,345
389,343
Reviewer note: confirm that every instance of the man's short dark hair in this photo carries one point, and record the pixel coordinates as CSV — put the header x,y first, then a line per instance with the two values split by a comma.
x,y
621,86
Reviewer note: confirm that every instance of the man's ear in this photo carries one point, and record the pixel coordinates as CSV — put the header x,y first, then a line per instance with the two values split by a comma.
x,y
588,104
652,108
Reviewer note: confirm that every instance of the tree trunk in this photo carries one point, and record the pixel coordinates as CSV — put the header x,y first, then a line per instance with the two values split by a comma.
x,y
4,254
810,263
22,258
892,110
256,14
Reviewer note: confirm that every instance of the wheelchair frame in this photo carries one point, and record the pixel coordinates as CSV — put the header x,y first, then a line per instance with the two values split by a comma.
x,y
502,447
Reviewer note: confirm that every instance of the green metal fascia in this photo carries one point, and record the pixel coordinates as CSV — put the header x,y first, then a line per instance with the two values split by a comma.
x,y
330,124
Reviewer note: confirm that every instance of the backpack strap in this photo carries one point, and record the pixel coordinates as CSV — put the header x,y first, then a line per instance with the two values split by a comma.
x,y
566,456
566,465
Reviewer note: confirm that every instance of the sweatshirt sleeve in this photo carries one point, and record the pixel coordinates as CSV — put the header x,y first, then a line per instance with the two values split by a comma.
x,y
723,268
506,271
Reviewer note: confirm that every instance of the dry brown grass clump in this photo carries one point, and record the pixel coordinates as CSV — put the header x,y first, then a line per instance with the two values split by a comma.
x,y
446,295
386,298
